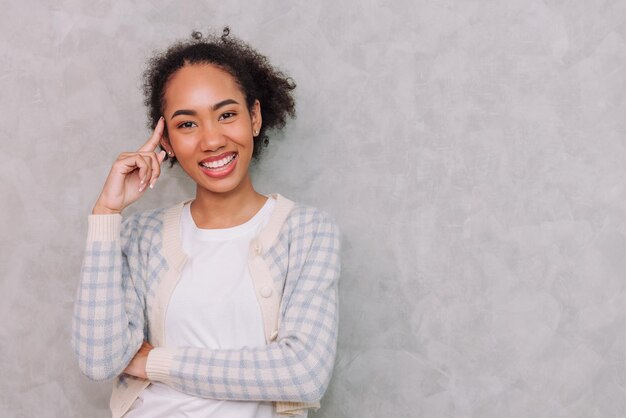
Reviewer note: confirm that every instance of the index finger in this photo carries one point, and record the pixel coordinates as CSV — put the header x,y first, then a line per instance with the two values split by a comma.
x,y
155,138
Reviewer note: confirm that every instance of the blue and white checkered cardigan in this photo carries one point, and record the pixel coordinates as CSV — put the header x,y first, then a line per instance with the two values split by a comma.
x,y
131,268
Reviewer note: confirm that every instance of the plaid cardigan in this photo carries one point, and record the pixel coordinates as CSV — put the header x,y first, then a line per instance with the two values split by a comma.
x,y
130,270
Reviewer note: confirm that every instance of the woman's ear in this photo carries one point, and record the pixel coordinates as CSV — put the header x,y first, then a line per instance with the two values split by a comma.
x,y
165,144
255,116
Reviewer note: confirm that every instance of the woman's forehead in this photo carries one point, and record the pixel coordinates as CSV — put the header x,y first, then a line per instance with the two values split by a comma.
x,y
202,84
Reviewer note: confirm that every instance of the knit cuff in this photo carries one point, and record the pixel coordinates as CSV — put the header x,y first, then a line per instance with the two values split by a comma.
x,y
104,227
290,409
158,364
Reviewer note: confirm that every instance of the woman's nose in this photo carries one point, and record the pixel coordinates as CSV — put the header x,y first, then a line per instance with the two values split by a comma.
x,y
212,138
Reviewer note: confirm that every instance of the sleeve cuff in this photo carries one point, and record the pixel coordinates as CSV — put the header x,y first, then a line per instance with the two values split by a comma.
x,y
104,227
159,363
291,409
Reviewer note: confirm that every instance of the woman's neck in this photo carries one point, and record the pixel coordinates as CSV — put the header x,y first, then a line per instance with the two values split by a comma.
x,y
224,210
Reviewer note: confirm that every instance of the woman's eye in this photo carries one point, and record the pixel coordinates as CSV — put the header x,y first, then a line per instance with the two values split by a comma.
x,y
186,125
227,115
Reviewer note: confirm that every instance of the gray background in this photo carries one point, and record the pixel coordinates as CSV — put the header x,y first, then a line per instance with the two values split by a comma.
x,y
472,152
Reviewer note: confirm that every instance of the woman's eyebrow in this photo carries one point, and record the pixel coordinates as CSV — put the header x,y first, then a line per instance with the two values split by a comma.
x,y
184,112
224,103
214,107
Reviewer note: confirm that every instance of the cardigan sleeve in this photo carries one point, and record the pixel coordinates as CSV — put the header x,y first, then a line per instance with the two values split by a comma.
x,y
108,321
297,366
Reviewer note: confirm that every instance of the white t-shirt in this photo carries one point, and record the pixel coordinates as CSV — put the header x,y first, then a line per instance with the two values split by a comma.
x,y
213,306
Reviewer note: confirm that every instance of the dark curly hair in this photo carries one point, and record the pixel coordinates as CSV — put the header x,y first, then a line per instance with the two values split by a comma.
x,y
256,77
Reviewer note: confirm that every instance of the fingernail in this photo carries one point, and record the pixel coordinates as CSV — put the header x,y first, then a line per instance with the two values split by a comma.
x,y
152,185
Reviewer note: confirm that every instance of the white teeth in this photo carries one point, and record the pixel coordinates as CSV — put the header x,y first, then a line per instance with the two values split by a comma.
x,y
219,163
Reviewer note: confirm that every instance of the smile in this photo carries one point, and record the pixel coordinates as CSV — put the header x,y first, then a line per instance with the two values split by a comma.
x,y
219,166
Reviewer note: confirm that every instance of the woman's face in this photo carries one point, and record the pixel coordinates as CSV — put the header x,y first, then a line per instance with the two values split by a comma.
x,y
210,128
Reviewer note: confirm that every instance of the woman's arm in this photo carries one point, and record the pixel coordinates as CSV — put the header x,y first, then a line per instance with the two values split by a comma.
x,y
108,317
108,322
295,368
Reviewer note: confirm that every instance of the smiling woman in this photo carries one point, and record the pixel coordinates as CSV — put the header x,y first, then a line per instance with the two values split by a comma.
x,y
226,304
211,131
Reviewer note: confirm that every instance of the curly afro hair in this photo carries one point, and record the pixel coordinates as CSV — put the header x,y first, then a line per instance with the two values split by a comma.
x,y
256,77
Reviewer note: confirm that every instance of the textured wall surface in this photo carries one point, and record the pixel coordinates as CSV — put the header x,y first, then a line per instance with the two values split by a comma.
x,y
472,151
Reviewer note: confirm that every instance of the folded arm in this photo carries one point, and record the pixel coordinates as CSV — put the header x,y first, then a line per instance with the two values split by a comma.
x,y
298,365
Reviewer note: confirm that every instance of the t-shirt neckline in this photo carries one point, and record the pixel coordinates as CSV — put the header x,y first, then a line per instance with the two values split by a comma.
x,y
251,225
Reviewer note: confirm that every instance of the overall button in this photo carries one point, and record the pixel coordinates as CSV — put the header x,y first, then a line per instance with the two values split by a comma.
x,y
266,291
258,249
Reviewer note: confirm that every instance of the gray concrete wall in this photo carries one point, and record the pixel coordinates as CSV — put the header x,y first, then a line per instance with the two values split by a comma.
x,y
472,151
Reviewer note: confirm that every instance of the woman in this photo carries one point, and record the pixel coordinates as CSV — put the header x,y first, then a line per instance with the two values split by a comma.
x,y
224,305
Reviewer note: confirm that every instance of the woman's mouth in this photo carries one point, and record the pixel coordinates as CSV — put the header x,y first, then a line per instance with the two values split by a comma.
x,y
219,167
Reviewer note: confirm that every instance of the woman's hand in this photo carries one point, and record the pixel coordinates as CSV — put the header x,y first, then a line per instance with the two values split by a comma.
x,y
137,366
131,175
